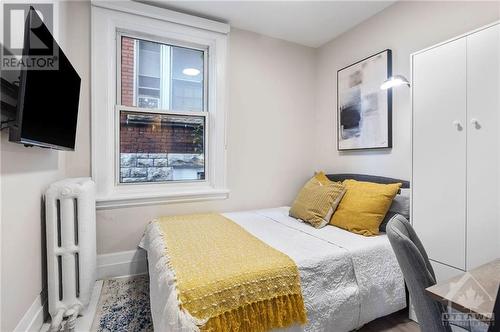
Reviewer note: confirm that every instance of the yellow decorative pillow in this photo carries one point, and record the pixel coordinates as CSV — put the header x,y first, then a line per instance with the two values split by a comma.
x,y
321,177
316,202
364,206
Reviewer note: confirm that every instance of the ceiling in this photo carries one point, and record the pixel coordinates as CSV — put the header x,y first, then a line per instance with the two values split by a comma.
x,y
310,23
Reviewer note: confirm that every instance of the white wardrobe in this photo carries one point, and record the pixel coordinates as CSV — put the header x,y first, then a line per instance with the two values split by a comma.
x,y
456,150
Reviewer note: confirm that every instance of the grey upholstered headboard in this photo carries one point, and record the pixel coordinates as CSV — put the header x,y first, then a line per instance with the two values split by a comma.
x,y
369,178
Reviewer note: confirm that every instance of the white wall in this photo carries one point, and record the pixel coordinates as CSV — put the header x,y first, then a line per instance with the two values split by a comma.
x,y
270,112
77,23
270,132
25,174
404,27
270,121
281,124
281,127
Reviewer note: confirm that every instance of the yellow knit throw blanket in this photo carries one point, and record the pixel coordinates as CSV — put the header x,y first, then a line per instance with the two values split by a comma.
x,y
229,278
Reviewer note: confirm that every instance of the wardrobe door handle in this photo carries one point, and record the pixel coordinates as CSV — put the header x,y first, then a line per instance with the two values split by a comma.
x,y
457,124
475,123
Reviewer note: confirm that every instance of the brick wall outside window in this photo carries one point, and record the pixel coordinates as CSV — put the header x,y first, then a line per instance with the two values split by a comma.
x,y
161,138
127,71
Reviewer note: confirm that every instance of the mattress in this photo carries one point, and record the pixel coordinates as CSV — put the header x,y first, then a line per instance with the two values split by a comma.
x,y
347,279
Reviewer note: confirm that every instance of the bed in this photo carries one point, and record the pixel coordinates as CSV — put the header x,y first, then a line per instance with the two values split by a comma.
x,y
347,279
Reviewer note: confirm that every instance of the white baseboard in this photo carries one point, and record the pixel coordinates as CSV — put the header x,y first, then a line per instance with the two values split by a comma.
x,y
119,264
33,318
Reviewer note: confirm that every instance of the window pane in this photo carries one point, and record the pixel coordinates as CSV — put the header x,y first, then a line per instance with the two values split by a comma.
x,y
187,79
161,147
149,92
149,59
157,75
149,82
148,102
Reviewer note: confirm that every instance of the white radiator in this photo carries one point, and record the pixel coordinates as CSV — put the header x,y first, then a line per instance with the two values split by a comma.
x,y
71,247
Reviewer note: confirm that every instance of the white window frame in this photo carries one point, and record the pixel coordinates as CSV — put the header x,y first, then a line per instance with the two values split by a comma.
x,y
108,20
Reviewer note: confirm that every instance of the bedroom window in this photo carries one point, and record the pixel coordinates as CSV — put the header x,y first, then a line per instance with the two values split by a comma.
x,y
162,111
158,105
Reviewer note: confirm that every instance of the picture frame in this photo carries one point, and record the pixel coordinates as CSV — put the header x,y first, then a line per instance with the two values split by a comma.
x,y
364,111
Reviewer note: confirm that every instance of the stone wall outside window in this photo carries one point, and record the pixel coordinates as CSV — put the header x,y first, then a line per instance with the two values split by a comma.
x,y
159,167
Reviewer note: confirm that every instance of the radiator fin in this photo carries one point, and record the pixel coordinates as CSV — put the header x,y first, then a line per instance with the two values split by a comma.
x,y
75,204
59,236
77,274
60,275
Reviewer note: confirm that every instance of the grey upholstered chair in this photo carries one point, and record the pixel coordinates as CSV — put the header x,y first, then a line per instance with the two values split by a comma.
x,y
495,327
418,274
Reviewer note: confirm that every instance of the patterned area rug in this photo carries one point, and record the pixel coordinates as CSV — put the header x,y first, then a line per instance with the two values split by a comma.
x,y
124,306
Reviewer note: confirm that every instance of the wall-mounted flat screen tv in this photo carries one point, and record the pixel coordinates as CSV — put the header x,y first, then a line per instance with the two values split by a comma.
x,y
47,106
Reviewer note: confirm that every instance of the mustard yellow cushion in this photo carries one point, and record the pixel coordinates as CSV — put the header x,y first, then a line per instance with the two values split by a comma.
x,y
316,202
321,177
363,207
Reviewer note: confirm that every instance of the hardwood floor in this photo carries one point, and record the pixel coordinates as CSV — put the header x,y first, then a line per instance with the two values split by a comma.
x,y
397,322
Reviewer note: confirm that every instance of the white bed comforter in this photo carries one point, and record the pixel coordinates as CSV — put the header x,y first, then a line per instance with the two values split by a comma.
x,y
347,279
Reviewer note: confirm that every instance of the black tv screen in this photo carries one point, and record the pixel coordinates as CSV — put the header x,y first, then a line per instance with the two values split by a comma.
x,y
47,108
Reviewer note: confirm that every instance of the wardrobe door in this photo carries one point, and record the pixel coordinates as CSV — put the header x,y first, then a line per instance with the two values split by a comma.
x,y
439,151
483,146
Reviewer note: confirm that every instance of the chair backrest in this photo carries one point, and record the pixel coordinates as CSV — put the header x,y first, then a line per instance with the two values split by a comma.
x,y
417,272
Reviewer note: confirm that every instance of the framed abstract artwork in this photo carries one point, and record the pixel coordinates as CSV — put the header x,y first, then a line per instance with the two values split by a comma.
x,y
364,111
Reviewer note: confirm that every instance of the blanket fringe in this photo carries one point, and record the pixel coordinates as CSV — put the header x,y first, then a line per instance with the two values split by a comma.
x,y
282,311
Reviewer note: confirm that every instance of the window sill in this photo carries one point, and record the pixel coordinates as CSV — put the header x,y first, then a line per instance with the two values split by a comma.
x,y
130,200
